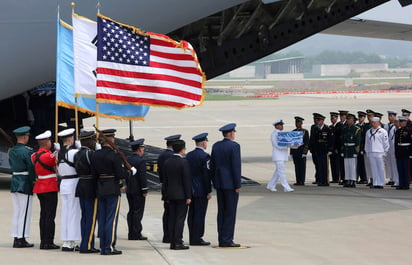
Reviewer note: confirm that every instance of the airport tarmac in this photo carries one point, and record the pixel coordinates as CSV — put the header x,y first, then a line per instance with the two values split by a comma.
x,y
313,225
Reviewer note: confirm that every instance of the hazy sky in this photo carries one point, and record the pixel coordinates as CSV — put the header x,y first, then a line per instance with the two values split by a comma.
x,y
390,12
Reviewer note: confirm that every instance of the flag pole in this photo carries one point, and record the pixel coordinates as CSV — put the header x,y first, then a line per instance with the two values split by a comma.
x,y
76,111
97,103
56,108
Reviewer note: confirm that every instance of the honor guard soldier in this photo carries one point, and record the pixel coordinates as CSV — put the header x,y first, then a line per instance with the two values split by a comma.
x,y
312,131
343,124
299,154
21,187
136,191
108,168
178,191
279,156
46,188
334,158
350,139
70,205
320,144
403,152
376,147
86,191
225,168
391,169
199,163
407,113
166,154
361,156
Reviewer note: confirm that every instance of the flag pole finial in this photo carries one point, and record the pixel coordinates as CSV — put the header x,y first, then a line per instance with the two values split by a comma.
x,y
72,5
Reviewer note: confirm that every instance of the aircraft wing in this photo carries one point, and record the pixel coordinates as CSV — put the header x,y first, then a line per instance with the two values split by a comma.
x,y
372,29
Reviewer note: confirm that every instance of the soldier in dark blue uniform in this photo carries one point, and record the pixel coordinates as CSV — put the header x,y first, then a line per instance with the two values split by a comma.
x,y
312,131
199,162
136,191
299,154
403,148
342,125
178,191
21,187
110,172
406,113
86,191
361,156
225,168
334,158
320,144
166,154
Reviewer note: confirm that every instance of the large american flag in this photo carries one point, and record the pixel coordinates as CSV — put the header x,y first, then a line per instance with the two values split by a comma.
x,y
145,68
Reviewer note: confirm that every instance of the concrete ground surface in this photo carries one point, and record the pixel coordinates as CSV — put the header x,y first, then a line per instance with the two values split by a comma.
x,y
312,225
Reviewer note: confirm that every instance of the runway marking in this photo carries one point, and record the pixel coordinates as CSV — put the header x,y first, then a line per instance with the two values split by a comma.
x,y
370,196
187,126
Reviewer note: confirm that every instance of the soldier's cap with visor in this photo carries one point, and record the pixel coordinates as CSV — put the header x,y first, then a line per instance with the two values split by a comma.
x,y
361,114
43,136
66,133
392,112
343,112
86,135
21,131
379,115
319,117
138,143
315,114
228,128
173,137
401,118
200,137
108,132
350,115
370,112
405,112
376,119
334,114
297,118
278,122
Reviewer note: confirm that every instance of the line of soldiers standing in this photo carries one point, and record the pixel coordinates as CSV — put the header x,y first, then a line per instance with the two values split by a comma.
x,y
90,184
357,152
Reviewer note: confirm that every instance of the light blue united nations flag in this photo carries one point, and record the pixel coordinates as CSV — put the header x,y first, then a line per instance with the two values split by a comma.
x,y
290,138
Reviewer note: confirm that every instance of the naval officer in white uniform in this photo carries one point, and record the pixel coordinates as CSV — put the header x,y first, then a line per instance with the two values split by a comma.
x,y
70,210
279,156
376,148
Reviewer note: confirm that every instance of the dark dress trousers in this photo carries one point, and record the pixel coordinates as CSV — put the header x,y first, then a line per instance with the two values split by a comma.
x,y
225,168
320,145
201,186
86,191
136,188
298,160
108,168
163,157
178,188
403,149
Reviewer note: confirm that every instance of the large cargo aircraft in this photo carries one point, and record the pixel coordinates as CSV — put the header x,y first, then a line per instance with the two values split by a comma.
x,y
225,33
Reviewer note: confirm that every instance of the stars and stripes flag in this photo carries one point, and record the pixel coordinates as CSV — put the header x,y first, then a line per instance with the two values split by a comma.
x,y
145,68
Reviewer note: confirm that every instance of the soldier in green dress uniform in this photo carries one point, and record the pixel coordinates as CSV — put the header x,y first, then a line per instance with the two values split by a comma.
x,y
350,139
21,187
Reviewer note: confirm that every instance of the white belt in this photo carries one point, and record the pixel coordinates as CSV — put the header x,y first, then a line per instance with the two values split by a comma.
x,y
349,144
404,144
47,176
21,173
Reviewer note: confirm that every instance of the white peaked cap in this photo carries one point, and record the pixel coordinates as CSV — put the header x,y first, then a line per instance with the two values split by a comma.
x,y
375,119
66,132
45,135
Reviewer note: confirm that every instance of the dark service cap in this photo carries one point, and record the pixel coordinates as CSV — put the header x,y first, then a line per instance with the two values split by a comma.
x,y
138,142
22,131
320,117
200,137
173,137
405,112
361,114
86,134
334,114
297,118
343,112
228,127
369,111
350,115
109,132
379,115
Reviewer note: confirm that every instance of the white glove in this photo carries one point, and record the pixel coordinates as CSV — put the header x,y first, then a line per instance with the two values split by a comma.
x,y
342,155
98,146
78,144
329,153
56,146
134,170
355,156
304,155
410,156
361,152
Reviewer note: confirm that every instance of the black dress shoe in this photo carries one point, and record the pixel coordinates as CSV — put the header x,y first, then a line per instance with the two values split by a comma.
x,y
402,188
87,251
377,187
314,182
334,181
113,252
166,240
21,243
180,247
390,183
49,246
200,243
67,249
142,238
229,245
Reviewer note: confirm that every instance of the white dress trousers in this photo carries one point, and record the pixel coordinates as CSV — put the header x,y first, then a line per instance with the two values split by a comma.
x,y
22,205
279,156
